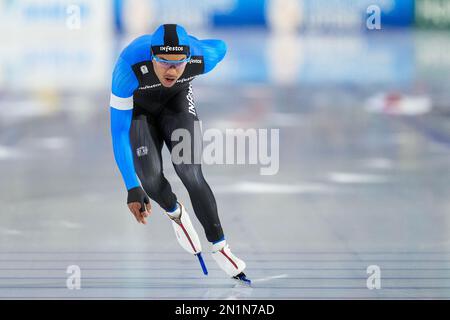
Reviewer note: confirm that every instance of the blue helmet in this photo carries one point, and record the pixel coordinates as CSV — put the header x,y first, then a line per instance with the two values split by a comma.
x,y
170,39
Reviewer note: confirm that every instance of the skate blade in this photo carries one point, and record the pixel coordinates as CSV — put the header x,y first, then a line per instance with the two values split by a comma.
x,y
202,263
242,280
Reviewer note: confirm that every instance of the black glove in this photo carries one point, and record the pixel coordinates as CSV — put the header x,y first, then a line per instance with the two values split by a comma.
x,y
138,195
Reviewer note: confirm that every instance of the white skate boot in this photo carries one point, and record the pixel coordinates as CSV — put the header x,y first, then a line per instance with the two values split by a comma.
x,y
228,262
186,235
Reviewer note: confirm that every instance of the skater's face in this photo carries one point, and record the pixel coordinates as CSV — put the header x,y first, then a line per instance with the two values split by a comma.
x,y
169,67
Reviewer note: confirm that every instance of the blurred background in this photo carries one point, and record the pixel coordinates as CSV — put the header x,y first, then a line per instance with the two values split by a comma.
x,y
358,89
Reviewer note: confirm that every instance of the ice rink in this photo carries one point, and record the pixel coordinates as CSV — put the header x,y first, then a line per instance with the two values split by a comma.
x,y
363,180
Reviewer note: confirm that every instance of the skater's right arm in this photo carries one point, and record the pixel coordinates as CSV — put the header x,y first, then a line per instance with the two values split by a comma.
x,y
124,83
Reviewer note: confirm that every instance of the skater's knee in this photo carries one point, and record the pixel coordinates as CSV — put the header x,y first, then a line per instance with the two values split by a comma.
x,y
153,186
158,189
191,176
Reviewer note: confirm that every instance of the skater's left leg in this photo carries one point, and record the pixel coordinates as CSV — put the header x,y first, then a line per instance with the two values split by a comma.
x,y
202,199
181,115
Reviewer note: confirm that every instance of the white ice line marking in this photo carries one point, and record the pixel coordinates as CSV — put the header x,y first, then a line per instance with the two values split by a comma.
x,y
258,187
347,178
270,278
8,153
10,232
379,163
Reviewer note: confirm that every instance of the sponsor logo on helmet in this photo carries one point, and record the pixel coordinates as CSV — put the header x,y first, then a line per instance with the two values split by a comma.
x,y
195,61
170,49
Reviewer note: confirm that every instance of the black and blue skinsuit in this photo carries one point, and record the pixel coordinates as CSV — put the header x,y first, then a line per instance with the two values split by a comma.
x,y
144,114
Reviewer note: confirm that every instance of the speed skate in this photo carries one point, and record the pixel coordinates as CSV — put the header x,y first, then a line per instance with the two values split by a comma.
x,y
228,262
188,239
186,235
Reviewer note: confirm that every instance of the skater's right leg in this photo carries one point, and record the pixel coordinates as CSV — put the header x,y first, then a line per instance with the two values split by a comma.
x,y
146,144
